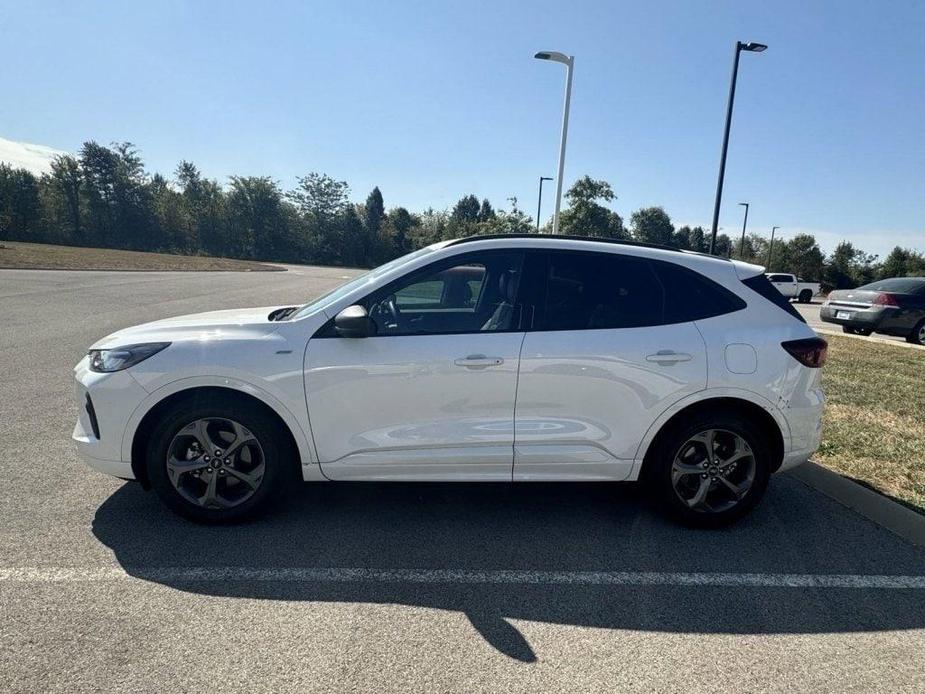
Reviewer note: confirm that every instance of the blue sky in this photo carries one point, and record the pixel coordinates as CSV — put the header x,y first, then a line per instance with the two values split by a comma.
x,y
431,100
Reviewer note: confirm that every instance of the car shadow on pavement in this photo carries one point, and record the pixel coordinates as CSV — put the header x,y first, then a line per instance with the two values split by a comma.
x,y
537,527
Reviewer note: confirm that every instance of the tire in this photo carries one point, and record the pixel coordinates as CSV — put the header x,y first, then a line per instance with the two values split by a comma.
x,y
248,479
856,331
917,336
806,296
675,443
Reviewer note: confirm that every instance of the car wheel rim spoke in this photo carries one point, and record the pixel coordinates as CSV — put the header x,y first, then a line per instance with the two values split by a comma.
x,y
713,470
215,463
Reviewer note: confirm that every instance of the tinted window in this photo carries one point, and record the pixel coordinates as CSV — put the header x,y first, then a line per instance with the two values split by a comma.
x,y
898,285
781,278
691,296
588,291
761,285
471,293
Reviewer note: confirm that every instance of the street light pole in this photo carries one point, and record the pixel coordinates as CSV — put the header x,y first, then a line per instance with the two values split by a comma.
x,y
569,62
744,222
771,247
752,47
539,201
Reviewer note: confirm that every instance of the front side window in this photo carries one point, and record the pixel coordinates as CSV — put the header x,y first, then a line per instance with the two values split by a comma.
x,y
473,293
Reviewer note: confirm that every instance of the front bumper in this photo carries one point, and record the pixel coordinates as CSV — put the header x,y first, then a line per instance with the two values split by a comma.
x,y
114,396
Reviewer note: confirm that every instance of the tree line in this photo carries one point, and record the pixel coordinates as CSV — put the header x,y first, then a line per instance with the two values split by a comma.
x,y
104,197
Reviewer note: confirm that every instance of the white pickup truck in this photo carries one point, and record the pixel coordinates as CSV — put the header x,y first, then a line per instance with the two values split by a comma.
x,y
794,287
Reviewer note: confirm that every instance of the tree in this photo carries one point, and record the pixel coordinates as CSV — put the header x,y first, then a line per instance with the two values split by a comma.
x,y
652,225
486,211
513,222
801,256
723,247
466,210
20,211
320,196
698,240
848,267
255,217
682,238
66,183
585,216
400,224
902,262
375,246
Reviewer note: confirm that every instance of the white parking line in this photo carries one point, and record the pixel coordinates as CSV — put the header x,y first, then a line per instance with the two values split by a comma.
x,y
206,574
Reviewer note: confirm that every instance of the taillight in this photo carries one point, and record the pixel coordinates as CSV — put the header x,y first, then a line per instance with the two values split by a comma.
x,y
886,300
810,352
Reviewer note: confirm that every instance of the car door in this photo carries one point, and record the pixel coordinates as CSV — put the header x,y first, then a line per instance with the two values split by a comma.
x,y
431,395
598,365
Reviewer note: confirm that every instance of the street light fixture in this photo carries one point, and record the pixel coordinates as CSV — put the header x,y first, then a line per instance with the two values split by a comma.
x,y
771,247
569,62
539,201
744,222
751,47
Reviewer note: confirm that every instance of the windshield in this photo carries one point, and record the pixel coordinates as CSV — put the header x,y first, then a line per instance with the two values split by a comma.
x,y
356,282
899,285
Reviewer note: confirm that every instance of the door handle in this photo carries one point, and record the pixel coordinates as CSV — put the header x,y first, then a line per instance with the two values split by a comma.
x,y
479,361
668,356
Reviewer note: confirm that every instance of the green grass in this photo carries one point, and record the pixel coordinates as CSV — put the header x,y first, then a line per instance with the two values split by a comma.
x,y
874,425
42,256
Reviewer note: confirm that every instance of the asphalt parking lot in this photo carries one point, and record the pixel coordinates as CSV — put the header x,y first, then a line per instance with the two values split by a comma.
x,y
406,587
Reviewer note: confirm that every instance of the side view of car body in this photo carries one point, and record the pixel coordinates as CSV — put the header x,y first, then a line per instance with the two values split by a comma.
x,y
894,306
509,358
794,287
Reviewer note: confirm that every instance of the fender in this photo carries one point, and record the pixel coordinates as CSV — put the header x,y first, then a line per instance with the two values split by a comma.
x,y
311,470
700,396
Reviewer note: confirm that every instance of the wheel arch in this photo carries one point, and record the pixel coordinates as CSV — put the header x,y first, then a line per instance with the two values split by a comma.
x,y
147,422
774,427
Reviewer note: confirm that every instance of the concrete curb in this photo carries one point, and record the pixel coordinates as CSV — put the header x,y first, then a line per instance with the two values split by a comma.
x,y
886,513
868,338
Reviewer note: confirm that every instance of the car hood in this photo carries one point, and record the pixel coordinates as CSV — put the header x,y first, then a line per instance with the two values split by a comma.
x,y
212,325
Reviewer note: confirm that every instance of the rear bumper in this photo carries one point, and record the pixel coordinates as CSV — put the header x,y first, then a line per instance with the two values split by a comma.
x,y
869,319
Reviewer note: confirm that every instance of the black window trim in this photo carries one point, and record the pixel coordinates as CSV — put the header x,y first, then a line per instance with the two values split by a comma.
x,y
326,331
529,312
652,262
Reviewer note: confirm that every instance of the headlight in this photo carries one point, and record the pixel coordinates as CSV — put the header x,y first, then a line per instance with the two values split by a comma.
x,y
118,358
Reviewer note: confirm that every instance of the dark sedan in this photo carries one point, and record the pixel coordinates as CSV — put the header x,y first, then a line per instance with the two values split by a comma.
x,y
894,306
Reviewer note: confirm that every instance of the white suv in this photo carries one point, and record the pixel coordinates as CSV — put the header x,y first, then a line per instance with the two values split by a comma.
x,y
507,358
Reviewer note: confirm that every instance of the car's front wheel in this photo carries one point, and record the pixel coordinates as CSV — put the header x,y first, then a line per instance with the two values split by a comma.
x,y
217,462
709,471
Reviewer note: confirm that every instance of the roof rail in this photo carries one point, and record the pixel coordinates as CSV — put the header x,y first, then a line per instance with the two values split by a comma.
x,y
567,237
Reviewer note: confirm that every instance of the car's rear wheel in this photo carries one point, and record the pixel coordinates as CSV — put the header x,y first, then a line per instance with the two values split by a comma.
x,y
215,462
856,331
709,471
917,336
805,296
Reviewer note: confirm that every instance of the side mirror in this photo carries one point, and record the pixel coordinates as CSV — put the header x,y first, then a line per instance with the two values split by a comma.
x,y
354,321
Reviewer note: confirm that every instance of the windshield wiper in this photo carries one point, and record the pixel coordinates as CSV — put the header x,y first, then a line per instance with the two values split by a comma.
x,y
282,313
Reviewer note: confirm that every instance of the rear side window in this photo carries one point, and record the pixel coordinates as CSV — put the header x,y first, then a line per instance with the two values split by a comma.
x,y
781,278
761,285
897,285
690,296
594,291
